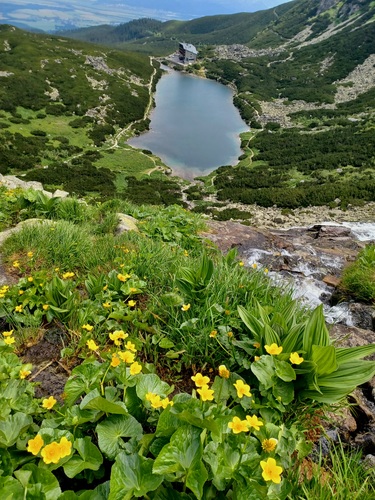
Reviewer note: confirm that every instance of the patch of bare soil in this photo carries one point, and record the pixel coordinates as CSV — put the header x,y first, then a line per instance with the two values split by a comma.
x,y
48,370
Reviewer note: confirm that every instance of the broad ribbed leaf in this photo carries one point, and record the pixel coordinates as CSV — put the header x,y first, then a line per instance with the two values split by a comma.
x,y
132,476
349,375
324,358
293,341
13,427
181,452
94,401
345,354
264,370
89,457
113,429
316,332
252,323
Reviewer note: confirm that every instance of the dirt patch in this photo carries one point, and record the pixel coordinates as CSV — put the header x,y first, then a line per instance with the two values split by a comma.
x,y
48,371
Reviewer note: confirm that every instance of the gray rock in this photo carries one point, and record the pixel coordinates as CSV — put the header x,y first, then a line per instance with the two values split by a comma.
x,y
126,223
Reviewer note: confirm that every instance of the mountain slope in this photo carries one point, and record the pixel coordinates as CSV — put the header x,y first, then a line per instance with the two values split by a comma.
x,y
267,28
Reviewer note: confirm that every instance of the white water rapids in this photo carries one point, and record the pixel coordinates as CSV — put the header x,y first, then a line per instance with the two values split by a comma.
x,y
305,279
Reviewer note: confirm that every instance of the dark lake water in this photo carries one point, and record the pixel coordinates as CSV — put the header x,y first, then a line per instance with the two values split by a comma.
x,y
194,127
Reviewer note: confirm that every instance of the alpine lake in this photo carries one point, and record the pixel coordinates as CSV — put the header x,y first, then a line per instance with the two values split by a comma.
x,y
195,128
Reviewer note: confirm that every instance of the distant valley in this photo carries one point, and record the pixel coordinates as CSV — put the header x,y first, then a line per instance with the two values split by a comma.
x,y
304,80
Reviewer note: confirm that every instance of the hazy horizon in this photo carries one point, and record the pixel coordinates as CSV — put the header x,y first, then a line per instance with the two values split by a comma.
x,y
51,15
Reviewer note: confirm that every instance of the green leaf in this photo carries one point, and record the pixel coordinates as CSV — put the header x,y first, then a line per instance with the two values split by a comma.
x,y
84,379
264,370
46,481
12,428
172,299
335,386
180,453
152,383
89,457
132,476
166,343
283,391
316,332
223,459
167,423
270,336
196,477
113,429
284,371
11,489
94,401
253,324
345,354
6,467
325,359
293,341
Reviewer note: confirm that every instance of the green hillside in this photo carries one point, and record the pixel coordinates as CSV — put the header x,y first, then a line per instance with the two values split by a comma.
x,y
66,106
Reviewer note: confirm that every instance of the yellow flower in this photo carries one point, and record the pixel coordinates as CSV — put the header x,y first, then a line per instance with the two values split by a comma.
x,y
213,334
45,307
265,270
30,279
2,295
200,380
20,292
24,373
223,371
87,327
273,349
135,368
206,393
8,334
68,275
18,309
230,334
269,445
237,425
51,453
65,447
254,421
105,288
106,305
186,253
295,359
130,346
132,289
165,402
30,254
49,403
256,345
123,277
9,340
115,360
35,445
185,307
57,269
127,357
16,264
242,389
271,471
92,345
256,358
117,336
131,303
154,399
254,266
241,264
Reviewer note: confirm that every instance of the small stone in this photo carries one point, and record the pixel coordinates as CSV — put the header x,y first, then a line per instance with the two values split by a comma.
x,y
331,280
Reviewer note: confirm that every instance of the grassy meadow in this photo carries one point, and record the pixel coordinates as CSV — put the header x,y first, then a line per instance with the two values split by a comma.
x,y
185,372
